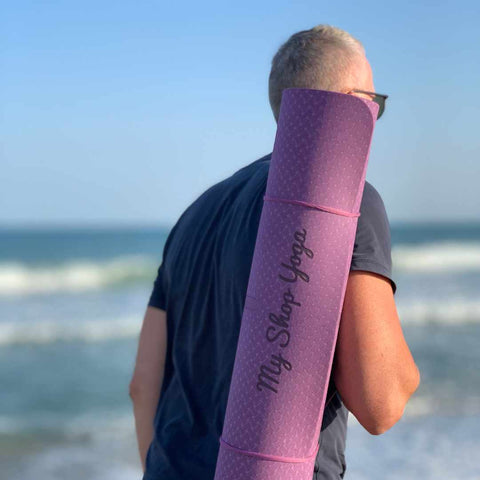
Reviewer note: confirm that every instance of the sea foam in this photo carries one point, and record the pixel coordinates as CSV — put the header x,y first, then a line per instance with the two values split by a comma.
x,y
89,331
18,278
438,257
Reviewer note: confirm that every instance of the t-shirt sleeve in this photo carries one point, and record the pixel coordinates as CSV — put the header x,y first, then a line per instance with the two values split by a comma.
x,y
158,297
372,248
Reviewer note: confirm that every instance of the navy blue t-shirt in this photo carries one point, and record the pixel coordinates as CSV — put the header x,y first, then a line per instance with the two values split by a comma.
x,y
201,284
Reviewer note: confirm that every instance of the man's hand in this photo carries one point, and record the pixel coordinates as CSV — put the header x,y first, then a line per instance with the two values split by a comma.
x,y
374,371
147,379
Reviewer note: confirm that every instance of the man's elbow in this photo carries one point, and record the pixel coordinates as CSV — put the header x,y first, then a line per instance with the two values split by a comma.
x,y
137,388
380,424
394,409
133,389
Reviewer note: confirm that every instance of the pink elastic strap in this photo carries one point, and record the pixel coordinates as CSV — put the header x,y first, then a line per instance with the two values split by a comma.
x,y
336,211
264,456
275,458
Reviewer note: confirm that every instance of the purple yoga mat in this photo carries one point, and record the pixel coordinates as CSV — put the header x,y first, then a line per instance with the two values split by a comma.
x,y
296,286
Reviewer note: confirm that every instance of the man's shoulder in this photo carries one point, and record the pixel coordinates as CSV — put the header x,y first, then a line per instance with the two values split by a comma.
x,y
256,171
371,194
372,202
372,248
373,222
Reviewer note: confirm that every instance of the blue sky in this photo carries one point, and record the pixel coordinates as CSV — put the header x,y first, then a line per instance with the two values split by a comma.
x,y
125,112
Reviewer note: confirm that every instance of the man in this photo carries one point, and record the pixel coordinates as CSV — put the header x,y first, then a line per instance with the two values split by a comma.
x,y
189,336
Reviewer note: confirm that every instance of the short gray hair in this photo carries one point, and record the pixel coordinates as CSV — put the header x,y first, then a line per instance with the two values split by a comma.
x,y
318,58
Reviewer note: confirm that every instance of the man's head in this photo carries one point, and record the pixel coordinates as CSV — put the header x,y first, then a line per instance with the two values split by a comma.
x,y
324,58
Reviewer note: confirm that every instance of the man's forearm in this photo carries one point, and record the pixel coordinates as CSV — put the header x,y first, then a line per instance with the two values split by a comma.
x,y
144,408
145,385
381,381
375,372
388,378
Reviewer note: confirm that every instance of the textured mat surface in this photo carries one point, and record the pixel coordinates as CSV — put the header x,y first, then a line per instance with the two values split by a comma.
x,y
296,286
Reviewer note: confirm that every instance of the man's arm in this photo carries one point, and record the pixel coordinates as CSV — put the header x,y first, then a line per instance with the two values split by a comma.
x,y
374,373
147,378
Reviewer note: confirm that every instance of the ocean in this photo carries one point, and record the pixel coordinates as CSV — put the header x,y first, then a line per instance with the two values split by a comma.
x,y
71,306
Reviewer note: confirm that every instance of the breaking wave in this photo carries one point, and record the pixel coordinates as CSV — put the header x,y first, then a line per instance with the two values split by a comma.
x,y
441,257
456,311
75,276
44,331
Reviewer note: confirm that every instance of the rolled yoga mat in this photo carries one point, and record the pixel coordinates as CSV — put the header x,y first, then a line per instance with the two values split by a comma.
x,y
296,286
